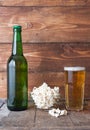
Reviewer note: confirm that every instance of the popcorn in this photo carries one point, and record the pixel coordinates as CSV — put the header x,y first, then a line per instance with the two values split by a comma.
x,y
57,112
63,112
45,97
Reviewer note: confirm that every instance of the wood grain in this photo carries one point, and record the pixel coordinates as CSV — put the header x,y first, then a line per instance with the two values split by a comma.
x,y
48,57
36,79
42,24
38,119
46,62
56,33
45,3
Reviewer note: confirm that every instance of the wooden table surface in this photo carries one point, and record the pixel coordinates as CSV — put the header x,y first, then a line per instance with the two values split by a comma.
x,y
35,119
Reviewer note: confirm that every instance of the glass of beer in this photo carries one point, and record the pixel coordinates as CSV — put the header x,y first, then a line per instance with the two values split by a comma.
x,y
74,87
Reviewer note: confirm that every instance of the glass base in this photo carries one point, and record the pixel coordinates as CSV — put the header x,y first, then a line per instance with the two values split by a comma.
x,y
74,109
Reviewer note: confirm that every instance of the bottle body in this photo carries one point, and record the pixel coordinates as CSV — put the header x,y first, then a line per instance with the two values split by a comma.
x,y
17,82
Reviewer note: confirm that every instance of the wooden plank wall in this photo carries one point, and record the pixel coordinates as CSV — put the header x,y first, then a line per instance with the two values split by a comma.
x,y
56,33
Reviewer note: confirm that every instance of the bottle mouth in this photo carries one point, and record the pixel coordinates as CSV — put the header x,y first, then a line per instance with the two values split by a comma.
x,y
17,28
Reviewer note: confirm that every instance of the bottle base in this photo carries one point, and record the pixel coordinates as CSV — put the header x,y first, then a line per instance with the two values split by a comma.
x,y
17,108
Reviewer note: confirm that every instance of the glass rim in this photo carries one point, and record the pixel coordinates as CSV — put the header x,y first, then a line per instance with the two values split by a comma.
x,y
75,68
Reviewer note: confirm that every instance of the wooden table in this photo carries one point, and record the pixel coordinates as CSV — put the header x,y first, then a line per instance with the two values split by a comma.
x,y
35,119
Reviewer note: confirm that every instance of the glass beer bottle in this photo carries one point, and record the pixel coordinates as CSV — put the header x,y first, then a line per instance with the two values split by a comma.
x,y
17,75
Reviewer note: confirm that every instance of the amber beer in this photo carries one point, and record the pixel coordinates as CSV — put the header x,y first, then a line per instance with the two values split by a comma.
x,y
74,87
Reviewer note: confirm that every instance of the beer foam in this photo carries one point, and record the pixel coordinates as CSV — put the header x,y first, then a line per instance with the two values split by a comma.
x,y
77,68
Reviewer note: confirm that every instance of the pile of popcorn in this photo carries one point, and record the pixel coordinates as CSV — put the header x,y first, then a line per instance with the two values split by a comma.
x,y
45,97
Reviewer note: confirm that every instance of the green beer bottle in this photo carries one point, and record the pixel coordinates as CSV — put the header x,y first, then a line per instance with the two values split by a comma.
x,y
17,75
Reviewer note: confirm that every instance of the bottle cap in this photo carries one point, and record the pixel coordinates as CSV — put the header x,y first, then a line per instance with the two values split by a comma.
x,y
17,27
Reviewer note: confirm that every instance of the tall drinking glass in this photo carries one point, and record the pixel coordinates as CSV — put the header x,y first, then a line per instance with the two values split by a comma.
x,y
74,87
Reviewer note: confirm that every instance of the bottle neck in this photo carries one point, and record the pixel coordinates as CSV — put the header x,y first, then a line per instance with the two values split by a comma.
x,y
17,43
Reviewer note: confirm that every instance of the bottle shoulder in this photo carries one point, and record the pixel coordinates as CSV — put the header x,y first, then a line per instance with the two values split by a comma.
x,y
15,58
